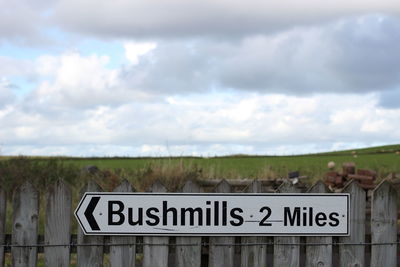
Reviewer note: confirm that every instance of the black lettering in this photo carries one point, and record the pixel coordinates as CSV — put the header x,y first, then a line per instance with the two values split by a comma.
x,y
118,212
320,219
290,218
333,217
139,220
304,216
165,214
152,216
263,221
310,216
191,215
224,213
216,213
238,217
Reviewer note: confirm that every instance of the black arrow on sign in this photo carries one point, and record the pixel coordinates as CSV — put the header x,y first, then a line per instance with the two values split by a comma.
x,y
89,213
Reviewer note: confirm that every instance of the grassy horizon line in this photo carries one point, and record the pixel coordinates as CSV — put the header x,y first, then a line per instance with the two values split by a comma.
x,y
366,150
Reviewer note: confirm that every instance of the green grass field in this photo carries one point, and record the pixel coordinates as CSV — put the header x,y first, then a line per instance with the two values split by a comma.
x,y
384,160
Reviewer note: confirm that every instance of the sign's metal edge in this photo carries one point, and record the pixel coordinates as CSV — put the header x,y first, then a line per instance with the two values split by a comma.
x,y
348,213
77,217
348,196
217,194
210,234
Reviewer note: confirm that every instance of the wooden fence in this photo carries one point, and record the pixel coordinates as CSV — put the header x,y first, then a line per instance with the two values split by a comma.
x,y
373,239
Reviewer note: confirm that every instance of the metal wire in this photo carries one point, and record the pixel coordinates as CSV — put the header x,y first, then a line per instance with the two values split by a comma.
x,y
204,244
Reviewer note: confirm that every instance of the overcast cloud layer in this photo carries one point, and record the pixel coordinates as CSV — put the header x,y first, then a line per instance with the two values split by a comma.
x,y
138,78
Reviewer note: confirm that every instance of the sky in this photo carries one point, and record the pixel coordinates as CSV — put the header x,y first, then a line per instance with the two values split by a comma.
x,y
197,78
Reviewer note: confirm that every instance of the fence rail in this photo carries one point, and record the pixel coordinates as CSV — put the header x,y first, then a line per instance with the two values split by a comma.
x,y
23,244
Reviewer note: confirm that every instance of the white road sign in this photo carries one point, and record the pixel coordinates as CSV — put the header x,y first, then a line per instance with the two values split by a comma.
x,y
214,214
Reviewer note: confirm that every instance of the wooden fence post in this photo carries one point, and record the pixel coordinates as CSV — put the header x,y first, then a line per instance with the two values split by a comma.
x,y
287,255
124,256
25,225
222,256
353,255
319,255
58,222
189,255
3,206
254,255
384,225
156,255
90,256
58,225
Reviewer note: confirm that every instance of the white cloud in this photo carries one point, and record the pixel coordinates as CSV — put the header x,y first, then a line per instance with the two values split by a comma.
x,y
134,50
15,67
81,102
74,81
205,125
217,77
46,65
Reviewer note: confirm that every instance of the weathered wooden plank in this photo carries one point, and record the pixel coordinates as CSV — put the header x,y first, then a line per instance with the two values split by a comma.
x,y
125,255
58,225
25,225
353,255
3,206
384,225
287,255
156,255
222,255
90,256
319,255
189,255
254,255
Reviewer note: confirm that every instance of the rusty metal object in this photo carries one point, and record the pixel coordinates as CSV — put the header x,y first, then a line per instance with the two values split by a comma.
x,y
366,178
